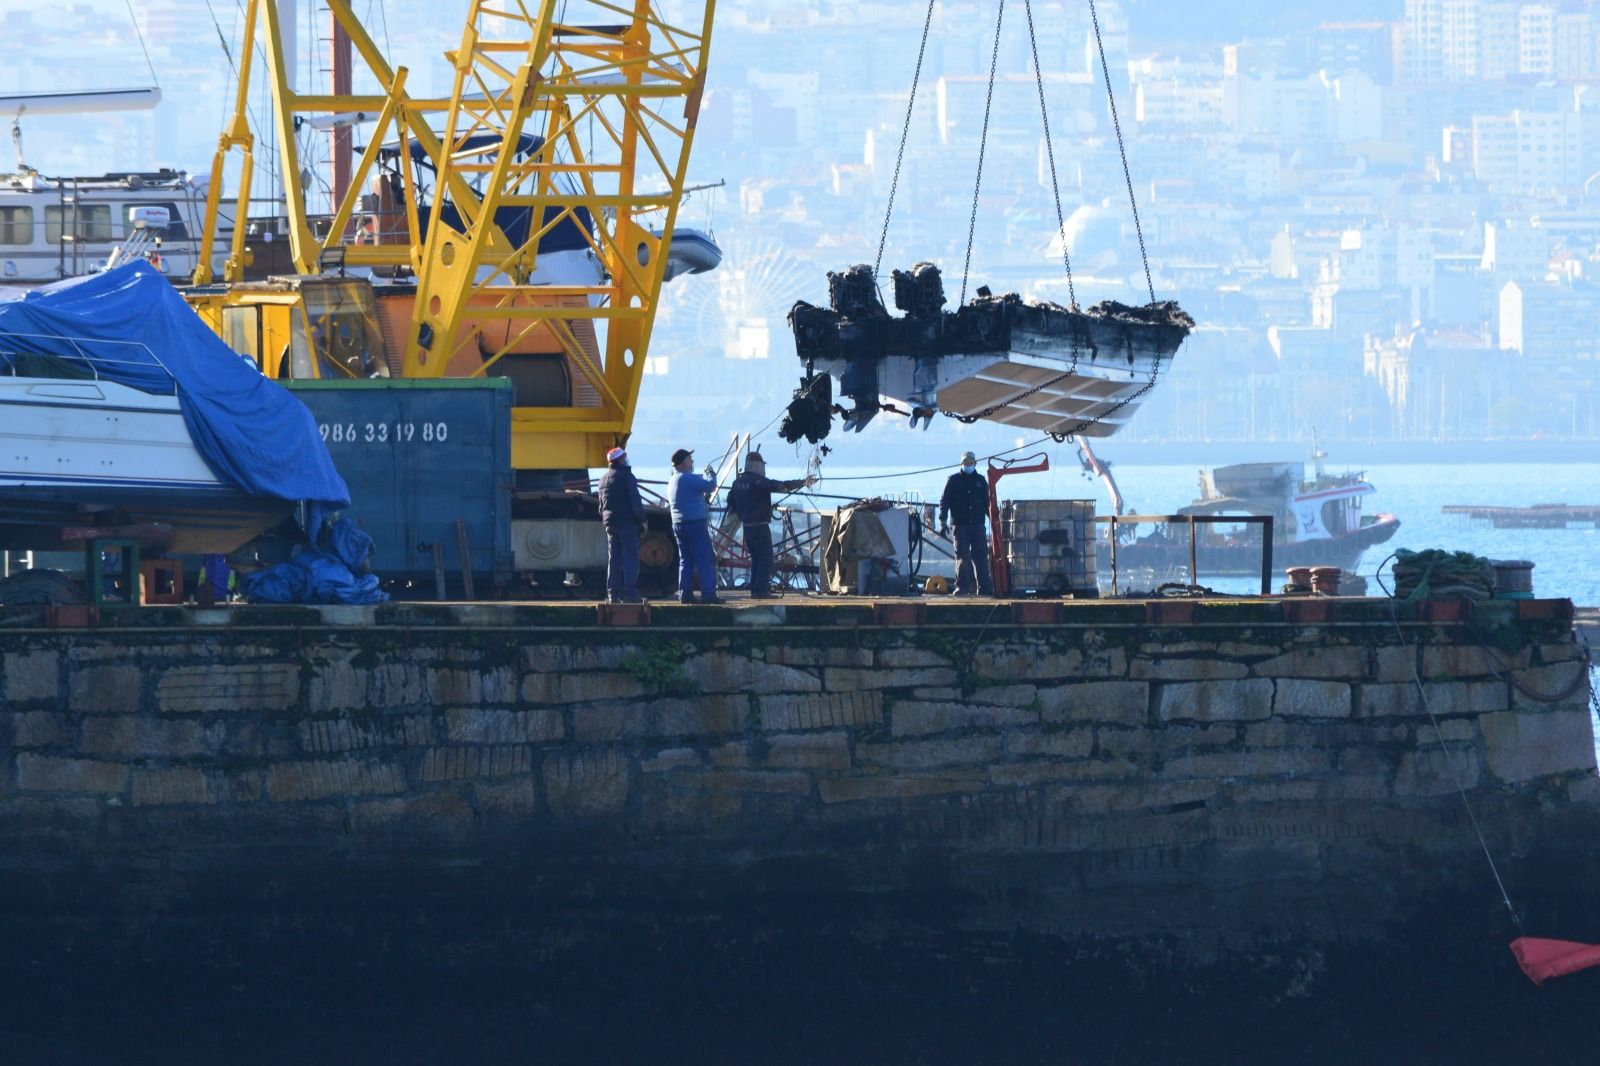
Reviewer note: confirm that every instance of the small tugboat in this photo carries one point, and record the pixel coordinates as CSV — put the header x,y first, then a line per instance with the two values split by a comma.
x,y
1315,522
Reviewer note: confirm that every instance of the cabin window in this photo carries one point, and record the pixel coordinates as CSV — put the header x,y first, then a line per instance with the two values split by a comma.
x,y
16,225
90,222
241,331
345,333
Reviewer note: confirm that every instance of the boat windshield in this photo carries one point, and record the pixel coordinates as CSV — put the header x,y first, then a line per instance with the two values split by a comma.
x,y
345,334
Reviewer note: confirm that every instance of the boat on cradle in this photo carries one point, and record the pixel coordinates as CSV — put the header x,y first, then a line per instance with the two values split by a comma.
x,y
1315,522
1036,366
120,410
77,450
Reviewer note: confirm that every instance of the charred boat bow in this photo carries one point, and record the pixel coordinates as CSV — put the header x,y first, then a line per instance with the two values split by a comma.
x,y
1038,366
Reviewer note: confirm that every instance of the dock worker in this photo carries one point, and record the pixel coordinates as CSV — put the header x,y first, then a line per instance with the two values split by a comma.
x,y
688,494
966,501
751,499
622,514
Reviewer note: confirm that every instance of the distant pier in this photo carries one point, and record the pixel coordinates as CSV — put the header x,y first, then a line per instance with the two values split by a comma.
x,y
1539,516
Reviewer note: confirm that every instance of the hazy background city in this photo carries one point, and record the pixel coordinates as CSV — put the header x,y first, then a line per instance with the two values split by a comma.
x,y
1378,212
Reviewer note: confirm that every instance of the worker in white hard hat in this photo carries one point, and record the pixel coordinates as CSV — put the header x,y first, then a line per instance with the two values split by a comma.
x,y
966,501
622,513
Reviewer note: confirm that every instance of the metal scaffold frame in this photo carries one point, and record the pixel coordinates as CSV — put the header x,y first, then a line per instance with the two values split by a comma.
x,y
575,113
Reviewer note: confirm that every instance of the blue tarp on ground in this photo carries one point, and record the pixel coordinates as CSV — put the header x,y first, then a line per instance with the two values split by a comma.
x,y
324,574
135,329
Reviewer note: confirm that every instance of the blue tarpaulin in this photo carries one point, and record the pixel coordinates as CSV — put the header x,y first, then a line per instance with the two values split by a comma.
x,y
324,574
133,328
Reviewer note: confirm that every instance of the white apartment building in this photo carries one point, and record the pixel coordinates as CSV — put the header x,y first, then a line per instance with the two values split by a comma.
x,y
1528,151
1536,32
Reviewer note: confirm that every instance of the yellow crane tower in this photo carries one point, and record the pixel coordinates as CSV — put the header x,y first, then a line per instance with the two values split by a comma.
x,y
510,219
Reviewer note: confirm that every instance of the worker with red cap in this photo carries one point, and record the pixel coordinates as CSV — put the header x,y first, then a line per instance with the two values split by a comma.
x,y
622,514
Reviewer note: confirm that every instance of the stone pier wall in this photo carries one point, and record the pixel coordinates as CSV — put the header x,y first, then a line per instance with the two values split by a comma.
x,y
1083,760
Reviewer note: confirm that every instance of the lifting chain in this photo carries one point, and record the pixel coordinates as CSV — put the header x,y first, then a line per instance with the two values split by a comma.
x,y
905,132
983,146
1050,153
1111,100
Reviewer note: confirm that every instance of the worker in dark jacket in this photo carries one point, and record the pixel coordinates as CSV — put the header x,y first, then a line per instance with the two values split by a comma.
x,y
751,499
622,514
966,500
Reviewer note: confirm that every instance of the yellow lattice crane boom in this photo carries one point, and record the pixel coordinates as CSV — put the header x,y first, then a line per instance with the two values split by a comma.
x,y
534,207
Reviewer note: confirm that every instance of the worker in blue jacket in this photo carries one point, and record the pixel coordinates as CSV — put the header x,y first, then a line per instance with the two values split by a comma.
x,y
966,500
751,499
688,493
622,514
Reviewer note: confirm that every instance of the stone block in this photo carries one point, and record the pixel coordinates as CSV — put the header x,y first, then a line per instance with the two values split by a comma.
x,y
784,655
723,672
1459,662
850,679
393,685
1233,649
1388,701
912,718
471,725
1392,665
1005,695
694,716
586,688
1016,662
1449,729
833,710
169,787
103,689
1139,796
808,751
742,782
566,658
127,736
1311,699
1266,762
927,754
1029,774
336,686
1141,743
461,763
472,687
1300,734
1549,654
302,780
587,784
1061,743
1207,669
733,753
1118,702
45,773
1561,686
31,675
670,759
1432,772
896,787
1523,746
508,801
231,688
1214,701
899,658
1336,663
325,735
37,729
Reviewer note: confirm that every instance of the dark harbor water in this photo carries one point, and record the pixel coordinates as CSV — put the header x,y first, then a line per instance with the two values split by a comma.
x,y
381,976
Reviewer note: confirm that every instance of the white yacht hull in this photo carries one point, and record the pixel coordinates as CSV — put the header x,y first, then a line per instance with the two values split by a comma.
x,y
94,453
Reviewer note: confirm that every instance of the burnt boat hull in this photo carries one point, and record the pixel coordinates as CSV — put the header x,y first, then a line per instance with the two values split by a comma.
x,y
1036,366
